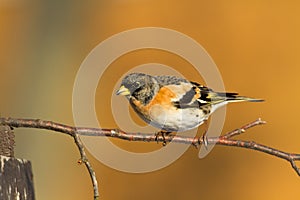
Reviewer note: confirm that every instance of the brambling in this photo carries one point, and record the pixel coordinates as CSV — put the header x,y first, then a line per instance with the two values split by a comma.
x,y
171,103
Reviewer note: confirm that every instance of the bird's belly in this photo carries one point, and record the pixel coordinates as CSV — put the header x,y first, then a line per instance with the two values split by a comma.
x,y
176,120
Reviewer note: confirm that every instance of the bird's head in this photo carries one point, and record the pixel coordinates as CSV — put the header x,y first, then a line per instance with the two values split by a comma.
x,y
138,85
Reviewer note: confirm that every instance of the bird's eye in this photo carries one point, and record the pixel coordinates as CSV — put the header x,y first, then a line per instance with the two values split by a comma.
x,y
136,84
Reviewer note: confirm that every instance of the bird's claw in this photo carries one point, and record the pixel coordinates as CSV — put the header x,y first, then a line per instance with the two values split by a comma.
x,y
163,135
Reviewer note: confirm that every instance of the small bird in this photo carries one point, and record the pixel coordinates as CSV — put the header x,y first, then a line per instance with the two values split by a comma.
x,y
171,103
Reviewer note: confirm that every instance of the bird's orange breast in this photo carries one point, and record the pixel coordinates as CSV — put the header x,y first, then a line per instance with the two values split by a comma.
x,y
162,98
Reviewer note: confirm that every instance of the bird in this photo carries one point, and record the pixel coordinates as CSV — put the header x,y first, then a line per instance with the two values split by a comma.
x,y
171,103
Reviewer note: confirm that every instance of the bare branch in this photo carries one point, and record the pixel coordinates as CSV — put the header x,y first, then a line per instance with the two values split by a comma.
x,y
225,140
88,165
243,129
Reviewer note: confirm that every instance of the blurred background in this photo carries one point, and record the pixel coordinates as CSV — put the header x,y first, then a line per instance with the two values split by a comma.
x,y
255,45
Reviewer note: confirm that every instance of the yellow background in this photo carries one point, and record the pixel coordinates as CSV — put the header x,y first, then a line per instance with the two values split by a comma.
x,y
255,45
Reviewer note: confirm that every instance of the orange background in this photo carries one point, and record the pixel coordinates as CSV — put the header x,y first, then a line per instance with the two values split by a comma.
x,y
255,45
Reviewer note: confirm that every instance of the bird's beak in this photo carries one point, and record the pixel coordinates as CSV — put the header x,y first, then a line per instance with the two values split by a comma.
x,y
123,91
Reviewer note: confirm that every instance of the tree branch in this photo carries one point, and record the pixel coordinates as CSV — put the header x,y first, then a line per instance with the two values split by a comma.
x,y
42,124
225,140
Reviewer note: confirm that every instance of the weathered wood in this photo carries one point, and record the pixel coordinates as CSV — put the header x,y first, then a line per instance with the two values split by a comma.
x,y
16,179
7,141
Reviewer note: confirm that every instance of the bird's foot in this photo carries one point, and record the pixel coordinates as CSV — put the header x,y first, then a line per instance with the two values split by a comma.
x,y
163,134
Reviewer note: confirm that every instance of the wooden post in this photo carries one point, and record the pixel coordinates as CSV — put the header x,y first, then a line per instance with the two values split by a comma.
x,y
16,178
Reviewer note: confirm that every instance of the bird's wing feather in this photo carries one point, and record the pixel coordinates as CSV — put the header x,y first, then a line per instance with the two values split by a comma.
x,y
201,96
194,95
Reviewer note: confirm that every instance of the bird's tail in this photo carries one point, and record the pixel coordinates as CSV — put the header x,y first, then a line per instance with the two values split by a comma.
x,y
233,97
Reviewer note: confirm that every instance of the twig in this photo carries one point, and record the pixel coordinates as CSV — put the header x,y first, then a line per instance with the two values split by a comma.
x,y
88,165
243,129
225,140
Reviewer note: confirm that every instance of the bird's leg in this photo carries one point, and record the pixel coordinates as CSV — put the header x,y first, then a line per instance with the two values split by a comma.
x,y
204,136
205,140
163,134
